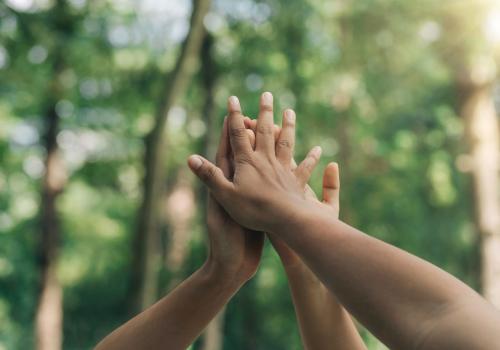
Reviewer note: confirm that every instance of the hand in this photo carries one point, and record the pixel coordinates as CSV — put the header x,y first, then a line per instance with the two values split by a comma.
x,y
265,190
234,250
331,193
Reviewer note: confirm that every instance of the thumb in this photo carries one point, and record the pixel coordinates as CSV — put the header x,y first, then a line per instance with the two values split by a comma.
x,y
209,174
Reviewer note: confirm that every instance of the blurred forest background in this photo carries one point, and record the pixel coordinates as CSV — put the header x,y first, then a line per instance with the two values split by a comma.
x,y
102,101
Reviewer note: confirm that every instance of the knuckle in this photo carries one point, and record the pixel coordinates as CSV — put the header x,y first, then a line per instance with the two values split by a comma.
x,y
266,108
235,114
242,159
209,173
265,129
238,132
284,144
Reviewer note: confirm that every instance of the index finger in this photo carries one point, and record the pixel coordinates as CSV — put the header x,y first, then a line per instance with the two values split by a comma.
x,y
238,137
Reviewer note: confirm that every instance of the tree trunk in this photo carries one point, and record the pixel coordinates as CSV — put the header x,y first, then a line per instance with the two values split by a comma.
x,y
49,312
180,210
213,337
146,257
483,135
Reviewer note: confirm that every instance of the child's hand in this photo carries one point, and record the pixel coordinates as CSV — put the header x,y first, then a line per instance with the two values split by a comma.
x,y
234,251
265,191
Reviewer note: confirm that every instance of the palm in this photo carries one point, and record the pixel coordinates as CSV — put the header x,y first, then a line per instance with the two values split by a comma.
x,y
236,249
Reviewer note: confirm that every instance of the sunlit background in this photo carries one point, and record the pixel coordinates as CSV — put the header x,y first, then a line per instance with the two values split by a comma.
x,y
404,95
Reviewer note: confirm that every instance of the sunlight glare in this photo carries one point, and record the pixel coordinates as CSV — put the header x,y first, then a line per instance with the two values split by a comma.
x,y
492,27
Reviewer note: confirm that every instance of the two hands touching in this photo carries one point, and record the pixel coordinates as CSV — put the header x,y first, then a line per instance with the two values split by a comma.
x,y
256,189
322,320
235,250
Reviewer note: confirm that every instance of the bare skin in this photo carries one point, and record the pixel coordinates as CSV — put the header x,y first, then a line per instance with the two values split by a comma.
x,y
323,322
405,301
177,320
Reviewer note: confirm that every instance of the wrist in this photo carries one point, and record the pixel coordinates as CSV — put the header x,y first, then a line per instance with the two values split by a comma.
x,y
292,216
303,218
285,214
222,274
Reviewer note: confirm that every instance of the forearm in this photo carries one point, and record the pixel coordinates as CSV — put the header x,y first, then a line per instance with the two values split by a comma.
x,y
178,319
323,322
399,297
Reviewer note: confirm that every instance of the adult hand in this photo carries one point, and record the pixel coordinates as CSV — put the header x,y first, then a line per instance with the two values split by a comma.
x,y
234,250
265,191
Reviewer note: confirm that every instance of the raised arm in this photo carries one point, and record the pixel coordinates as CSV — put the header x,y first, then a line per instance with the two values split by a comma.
x,y
177,320
323,322
406,302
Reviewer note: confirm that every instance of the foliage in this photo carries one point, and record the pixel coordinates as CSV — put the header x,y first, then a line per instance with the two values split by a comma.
x,y
369,82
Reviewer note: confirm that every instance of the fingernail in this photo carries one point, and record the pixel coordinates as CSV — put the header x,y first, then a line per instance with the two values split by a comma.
x,y
290,115
195,162
234,102
267,98
317,150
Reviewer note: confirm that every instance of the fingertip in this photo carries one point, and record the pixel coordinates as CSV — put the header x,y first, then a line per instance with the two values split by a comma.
x,y
289,117
331,176
267,99
234,104
247,121
251,137
332,167
195,162
316,152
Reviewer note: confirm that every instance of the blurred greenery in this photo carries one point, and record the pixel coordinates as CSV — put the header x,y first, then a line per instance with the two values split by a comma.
x,y
374,82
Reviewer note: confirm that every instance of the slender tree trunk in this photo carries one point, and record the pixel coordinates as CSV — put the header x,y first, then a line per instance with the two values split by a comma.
x,y
49,312
180,210
213,337
146,256
483,135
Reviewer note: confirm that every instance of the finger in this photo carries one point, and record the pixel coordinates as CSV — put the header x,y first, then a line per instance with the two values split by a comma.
x,y
286,139
331,186
222,156
306,167
276,131
211,175
238,138
251,137
248,122
265,126
251,124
